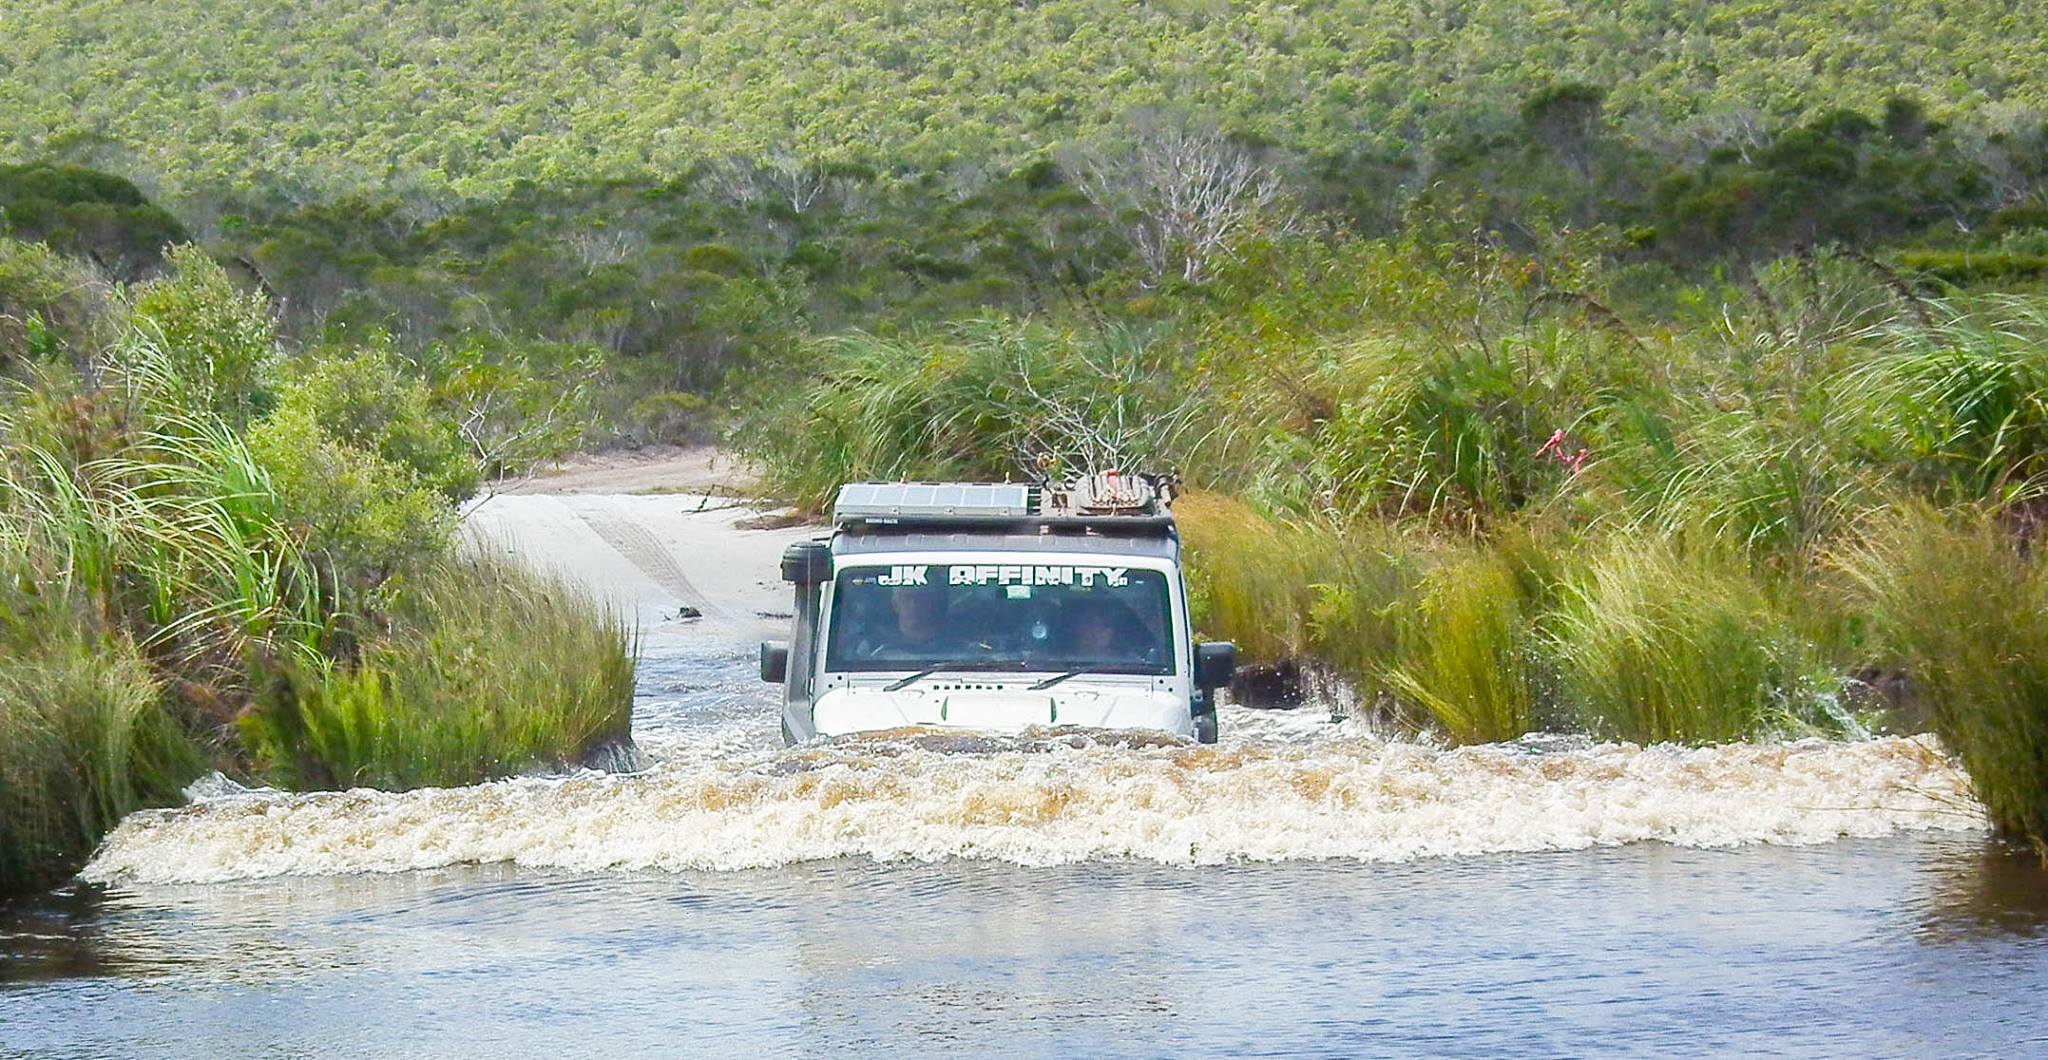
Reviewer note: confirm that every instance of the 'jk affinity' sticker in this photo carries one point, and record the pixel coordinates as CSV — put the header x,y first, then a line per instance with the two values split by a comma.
x,y
1002,574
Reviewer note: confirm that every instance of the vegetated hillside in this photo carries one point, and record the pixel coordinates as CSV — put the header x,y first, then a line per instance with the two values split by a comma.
x,y
330,95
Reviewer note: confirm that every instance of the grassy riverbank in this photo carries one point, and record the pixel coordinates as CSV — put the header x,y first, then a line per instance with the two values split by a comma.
x,y
1803,504
212,556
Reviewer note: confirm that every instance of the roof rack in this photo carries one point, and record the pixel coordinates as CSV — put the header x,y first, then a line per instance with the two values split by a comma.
x,y
1109,503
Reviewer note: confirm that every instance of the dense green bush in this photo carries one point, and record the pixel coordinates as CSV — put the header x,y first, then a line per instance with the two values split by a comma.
x,y
357,512
1840,176
364,400
87,214
671,417
213,340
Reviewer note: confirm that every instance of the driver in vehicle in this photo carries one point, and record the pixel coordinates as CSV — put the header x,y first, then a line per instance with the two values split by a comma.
x,y
920,626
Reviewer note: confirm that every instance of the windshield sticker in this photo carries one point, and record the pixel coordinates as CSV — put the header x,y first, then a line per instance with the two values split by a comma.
x,y
1086,577
905,576
1020,575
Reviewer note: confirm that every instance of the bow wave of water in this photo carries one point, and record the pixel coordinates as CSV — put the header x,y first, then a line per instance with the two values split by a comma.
x,y
1063,797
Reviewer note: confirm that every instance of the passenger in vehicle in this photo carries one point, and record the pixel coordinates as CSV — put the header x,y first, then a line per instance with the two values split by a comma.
x,y
1105,632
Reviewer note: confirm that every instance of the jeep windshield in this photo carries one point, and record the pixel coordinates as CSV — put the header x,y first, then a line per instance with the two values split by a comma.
x,y
969,616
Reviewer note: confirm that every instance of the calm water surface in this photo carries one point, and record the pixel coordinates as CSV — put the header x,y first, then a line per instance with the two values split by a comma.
x,y
1912,943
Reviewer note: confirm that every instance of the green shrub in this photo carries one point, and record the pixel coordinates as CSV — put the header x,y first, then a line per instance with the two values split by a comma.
x,y
1964,614
221,341
1429,430
362,515
1414,421
1361,585
362,399
365,465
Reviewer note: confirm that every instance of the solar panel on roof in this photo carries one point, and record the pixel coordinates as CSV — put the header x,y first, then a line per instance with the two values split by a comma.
x,y
868,500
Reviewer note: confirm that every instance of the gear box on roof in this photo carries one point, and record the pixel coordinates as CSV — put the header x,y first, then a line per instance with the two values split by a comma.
x,y
1108,502
873,500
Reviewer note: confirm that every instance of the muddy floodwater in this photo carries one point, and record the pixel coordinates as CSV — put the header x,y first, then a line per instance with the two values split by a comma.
x,y
1305,887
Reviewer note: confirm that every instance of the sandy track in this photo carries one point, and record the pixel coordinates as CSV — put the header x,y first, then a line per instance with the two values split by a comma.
x,y
655,469
652,555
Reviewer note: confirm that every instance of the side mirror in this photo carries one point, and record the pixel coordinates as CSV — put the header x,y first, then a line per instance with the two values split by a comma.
x,y
1214,663
807,562
774,661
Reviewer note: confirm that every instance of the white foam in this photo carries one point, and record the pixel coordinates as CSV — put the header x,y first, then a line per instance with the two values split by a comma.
x,y
1054,800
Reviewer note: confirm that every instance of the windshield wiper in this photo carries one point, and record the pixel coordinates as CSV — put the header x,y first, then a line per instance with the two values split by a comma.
x,y
911,680
1057,678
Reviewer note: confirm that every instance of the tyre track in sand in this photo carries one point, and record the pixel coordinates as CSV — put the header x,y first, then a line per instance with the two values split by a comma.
x,y
657,564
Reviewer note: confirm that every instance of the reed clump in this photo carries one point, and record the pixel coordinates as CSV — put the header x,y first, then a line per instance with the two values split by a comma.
x,y
1466,651
1252,576
84,736
1961,608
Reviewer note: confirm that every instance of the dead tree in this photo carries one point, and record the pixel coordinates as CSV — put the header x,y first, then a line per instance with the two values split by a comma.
x,y
1186,194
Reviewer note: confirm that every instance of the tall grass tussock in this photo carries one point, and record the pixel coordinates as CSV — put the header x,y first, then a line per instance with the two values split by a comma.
x,y
1962,608
84,739
483,670
1466,652
1655,643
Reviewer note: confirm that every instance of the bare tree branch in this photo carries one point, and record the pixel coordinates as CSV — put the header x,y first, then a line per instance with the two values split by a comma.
x,y
1187,194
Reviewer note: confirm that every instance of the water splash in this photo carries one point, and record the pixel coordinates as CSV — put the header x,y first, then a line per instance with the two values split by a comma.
x,y
1060,797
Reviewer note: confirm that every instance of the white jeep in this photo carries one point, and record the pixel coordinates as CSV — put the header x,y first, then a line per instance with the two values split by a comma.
x,y
995,607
